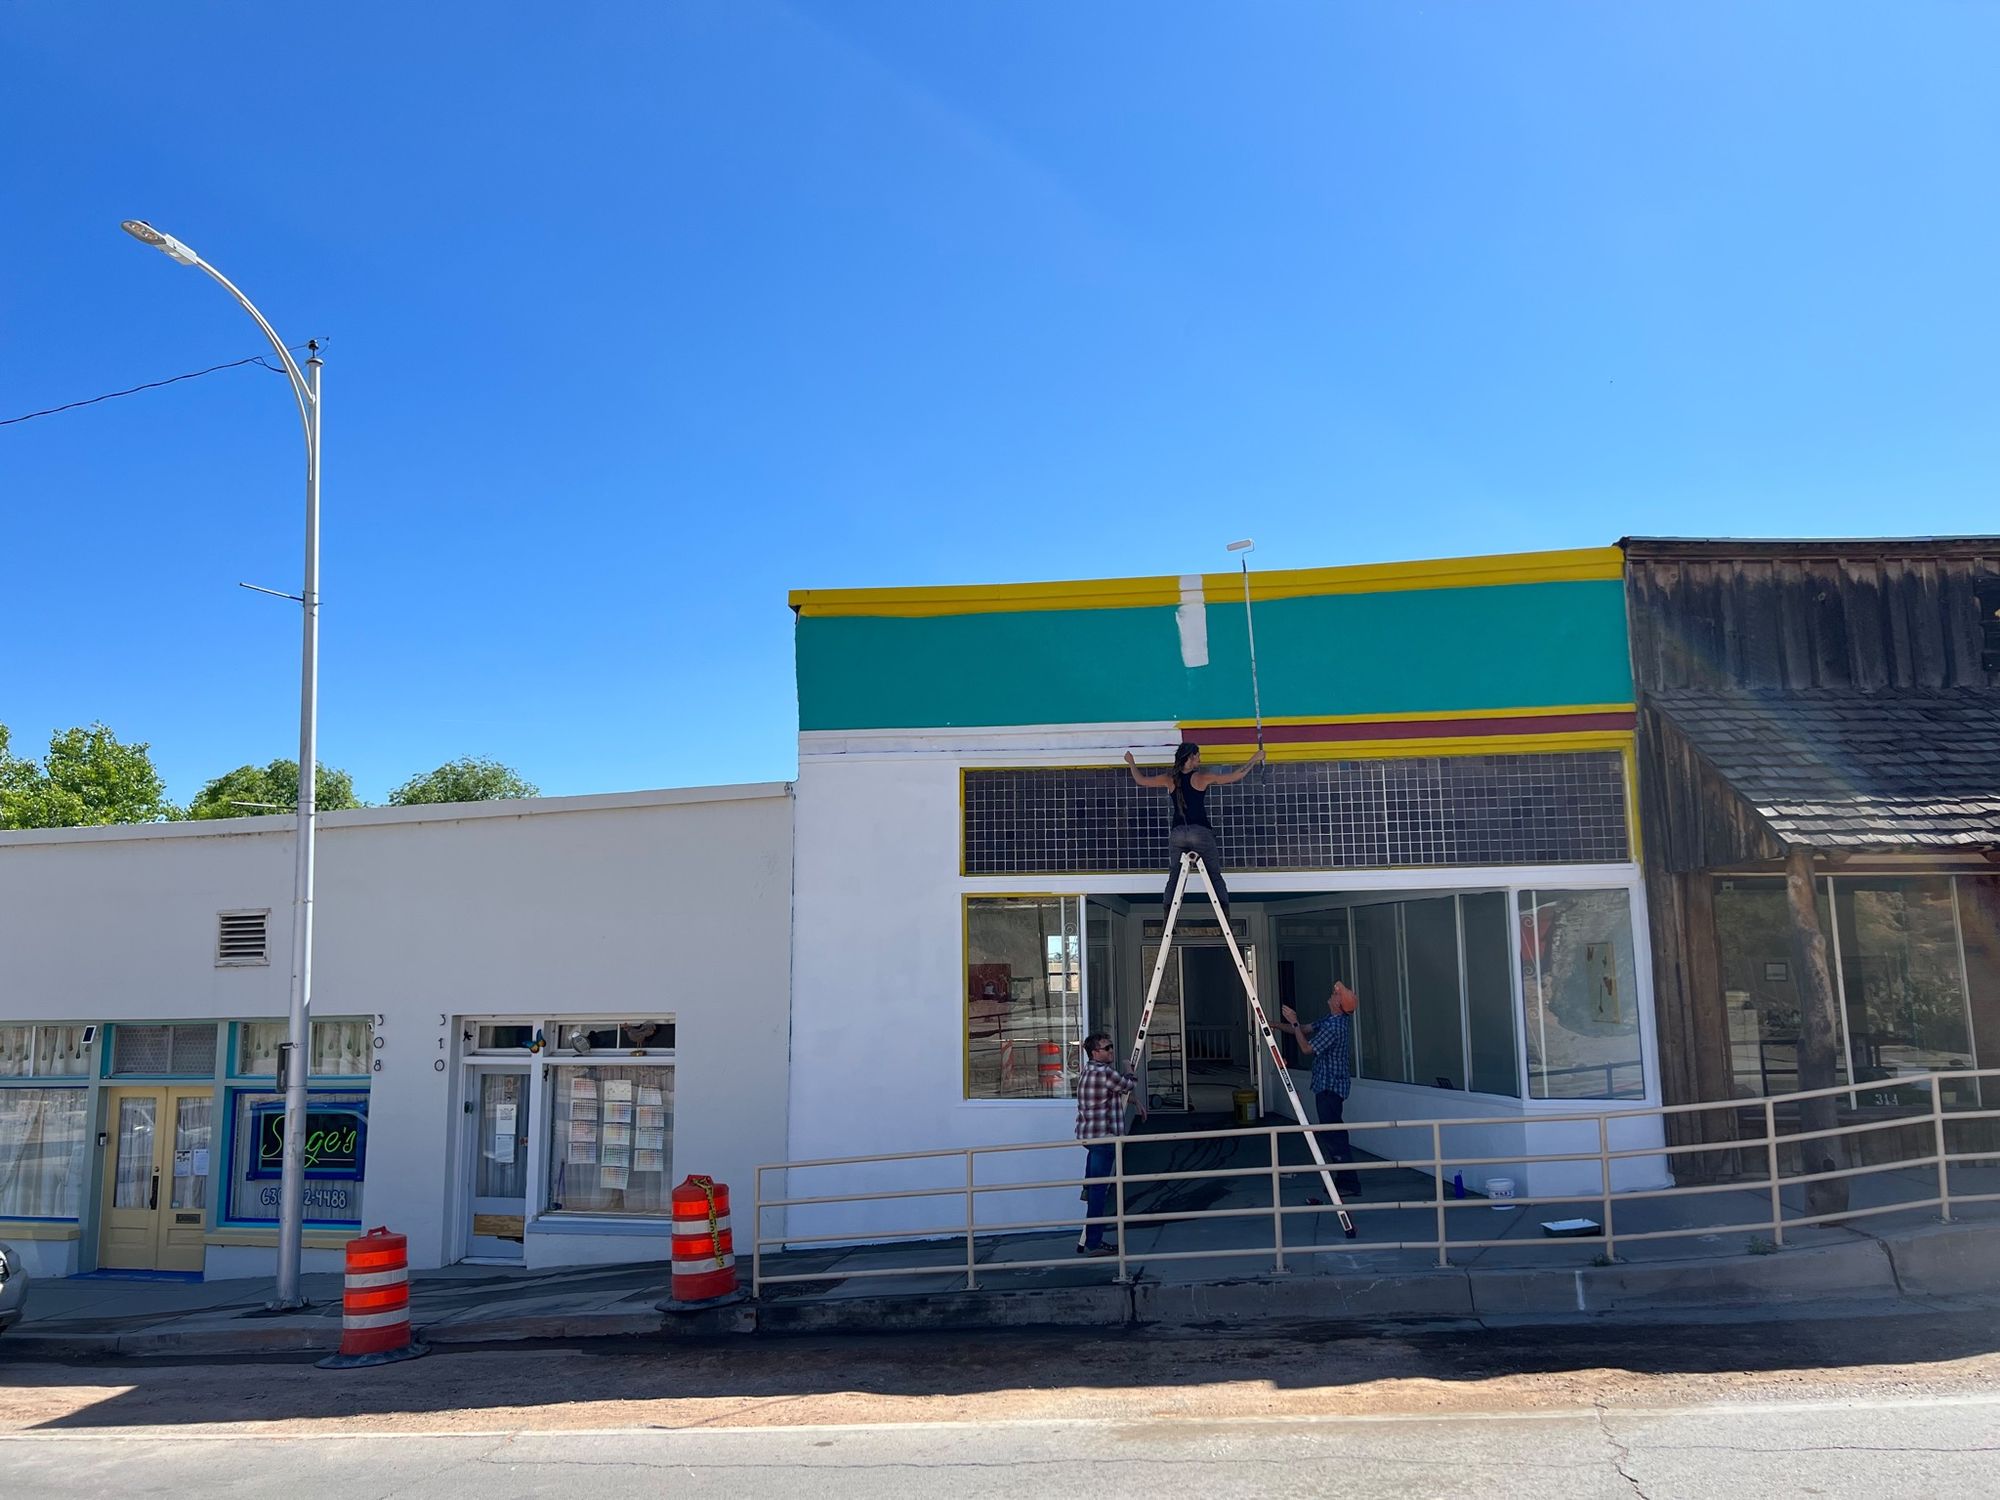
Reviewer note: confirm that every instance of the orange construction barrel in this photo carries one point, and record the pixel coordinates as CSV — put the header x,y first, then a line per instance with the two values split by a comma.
x,y
1050,1074
375,1304
704,1247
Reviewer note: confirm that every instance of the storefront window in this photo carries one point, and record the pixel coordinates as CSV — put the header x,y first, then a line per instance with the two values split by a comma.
x,y
1579,985
1489,995
611,1139
1423,1011
1900,967
1023,996
1436,1007
1893,951
336,1148
1760,993
1380,1033
42,1136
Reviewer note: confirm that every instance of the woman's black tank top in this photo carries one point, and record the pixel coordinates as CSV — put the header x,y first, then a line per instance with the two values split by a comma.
x,y
1190,802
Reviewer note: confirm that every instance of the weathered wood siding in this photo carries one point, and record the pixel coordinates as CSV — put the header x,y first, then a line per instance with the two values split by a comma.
x,y
1690,817
1796,615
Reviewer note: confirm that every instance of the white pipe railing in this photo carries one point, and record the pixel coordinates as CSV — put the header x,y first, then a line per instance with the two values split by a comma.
x,y
970,1227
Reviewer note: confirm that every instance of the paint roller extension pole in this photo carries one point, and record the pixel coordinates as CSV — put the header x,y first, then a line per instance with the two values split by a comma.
x,y
1246,546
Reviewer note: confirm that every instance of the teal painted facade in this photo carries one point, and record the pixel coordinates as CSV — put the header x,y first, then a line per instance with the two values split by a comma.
x,y
1499,646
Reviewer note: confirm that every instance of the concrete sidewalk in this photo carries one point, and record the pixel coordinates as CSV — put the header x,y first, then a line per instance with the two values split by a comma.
x,y
1502,1267
100,1315
95,1318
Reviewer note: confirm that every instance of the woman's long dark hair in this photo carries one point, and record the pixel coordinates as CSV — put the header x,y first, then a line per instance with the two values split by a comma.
x,y
1188,750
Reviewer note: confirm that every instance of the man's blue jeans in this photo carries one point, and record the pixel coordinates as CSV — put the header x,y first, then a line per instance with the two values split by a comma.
x,y
1098,1162
1332,1109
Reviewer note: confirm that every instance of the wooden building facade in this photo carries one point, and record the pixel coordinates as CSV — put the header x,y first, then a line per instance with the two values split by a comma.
x,y
1818,737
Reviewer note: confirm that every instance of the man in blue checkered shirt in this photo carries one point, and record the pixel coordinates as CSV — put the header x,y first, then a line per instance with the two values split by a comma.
x,y
1331,1045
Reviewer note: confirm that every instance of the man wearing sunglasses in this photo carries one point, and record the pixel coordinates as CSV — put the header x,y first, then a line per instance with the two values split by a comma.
x,y
1101,1092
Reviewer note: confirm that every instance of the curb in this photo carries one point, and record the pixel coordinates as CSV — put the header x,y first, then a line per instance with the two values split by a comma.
x,y
320,1340
1945,1260
1941,1261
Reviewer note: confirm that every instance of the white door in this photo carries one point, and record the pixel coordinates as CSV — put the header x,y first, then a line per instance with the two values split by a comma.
x,y
498,1100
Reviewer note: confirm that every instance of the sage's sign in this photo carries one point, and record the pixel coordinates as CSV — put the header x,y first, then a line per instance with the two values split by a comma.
x,y
336,1140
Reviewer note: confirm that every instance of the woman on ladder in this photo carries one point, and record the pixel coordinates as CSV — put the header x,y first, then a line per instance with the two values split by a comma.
x,y
1189,784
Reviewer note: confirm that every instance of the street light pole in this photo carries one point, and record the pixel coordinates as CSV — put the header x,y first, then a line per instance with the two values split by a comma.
x,y
306,390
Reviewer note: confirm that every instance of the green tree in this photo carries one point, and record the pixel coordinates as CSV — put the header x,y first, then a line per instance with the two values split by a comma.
x,y
470,778
257,791
88,779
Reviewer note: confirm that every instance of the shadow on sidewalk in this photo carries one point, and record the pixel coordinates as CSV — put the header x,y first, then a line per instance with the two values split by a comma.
x,y
737,1377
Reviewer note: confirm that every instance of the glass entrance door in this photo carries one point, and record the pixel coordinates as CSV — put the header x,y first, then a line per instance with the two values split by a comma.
x,y
499,1162
156,1182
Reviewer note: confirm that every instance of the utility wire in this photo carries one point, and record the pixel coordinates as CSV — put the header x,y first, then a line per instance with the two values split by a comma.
x,y
151,385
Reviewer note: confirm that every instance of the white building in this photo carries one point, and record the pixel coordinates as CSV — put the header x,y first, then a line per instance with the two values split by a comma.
x,y
531,1019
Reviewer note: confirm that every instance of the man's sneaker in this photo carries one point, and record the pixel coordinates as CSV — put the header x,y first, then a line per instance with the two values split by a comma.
x,y
1096,1251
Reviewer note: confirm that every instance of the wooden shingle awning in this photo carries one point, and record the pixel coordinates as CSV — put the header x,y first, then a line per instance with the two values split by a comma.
x,y
1900,771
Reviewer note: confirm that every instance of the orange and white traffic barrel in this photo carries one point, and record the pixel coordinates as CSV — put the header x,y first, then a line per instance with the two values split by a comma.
x,y
1051,1070
704,1246
375,1304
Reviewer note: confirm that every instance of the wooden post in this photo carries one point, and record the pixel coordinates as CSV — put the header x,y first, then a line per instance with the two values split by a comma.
x,y
1819,1033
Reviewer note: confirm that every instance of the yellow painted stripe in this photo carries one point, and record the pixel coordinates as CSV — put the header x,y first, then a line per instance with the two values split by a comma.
x,y
1225,755
1584,563
1497,744
989,598
1218,588
1425,717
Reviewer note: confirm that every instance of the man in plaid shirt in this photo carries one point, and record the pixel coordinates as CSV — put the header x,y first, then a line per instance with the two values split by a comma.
x,y
1101,1091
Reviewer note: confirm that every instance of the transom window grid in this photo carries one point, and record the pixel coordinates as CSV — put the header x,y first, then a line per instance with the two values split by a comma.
x,y
178,1050
1434,811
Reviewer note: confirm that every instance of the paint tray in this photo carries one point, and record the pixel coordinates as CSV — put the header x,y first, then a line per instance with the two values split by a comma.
x,y
1571,1229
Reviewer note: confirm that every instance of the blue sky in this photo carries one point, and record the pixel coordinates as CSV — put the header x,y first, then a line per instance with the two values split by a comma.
x,y
641,315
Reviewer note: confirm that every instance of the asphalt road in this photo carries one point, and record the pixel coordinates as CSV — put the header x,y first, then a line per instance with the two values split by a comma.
x,y
1836,1405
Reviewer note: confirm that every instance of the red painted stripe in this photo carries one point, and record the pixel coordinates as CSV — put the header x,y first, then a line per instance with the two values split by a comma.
x,y
377,1260
1412,729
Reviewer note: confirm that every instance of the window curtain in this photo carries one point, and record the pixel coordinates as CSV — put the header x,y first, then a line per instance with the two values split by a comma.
x,y
41,1152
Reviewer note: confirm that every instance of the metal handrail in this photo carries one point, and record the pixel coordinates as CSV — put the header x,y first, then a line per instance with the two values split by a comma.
x,y
1439,1163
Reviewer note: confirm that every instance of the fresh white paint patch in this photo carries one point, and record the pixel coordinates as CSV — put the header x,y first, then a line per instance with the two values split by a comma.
x,y
1193,620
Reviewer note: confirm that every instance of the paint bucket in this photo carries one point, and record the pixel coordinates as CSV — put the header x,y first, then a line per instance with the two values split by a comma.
x,y
1246,1106
1501,1191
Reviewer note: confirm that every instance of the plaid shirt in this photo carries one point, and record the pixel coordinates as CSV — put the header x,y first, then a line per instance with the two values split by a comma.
x,y
1100,1100
1333,1054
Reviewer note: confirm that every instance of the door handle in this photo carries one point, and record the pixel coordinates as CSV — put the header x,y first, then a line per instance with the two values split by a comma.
x,y
154,1201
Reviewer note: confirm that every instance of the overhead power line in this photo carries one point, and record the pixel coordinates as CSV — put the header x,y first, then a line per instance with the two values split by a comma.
x,y
151,385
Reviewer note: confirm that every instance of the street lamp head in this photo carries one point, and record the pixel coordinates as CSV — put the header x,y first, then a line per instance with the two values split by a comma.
x,y
146,234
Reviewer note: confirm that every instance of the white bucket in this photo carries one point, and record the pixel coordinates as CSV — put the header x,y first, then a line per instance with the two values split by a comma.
x,y
1501,1191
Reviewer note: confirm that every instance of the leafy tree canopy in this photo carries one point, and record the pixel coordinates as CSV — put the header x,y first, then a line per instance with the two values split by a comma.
x,y
88,779
257,791
470,778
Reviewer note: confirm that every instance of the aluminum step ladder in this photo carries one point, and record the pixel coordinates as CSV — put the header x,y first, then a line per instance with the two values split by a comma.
x,y
1190,863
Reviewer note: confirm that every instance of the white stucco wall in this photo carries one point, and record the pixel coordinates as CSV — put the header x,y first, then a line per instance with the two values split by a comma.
x,y
878,1013
660,903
